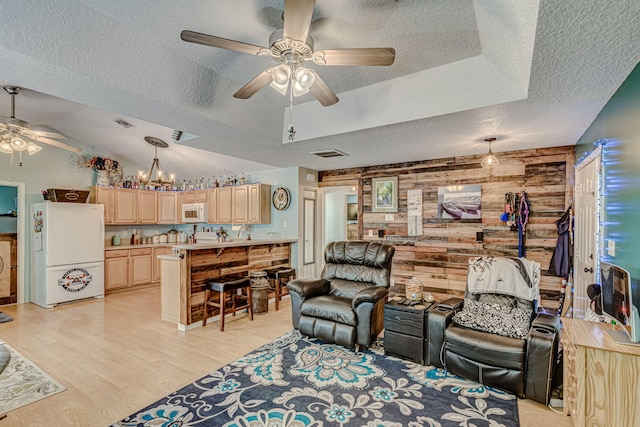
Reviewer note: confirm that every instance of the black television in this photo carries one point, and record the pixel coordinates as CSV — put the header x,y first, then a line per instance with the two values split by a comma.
x,y
617,303
352,211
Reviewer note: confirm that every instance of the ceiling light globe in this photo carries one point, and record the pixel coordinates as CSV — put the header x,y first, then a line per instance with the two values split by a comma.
x,y
18,144
305,77
281,74
490,162
5,147
33,148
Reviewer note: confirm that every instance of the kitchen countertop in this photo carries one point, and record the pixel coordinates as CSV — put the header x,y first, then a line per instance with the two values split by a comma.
x,y
205,245
142,245
234,243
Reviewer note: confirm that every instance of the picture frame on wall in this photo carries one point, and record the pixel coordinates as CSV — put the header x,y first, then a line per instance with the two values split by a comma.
x,y
384,194
460,202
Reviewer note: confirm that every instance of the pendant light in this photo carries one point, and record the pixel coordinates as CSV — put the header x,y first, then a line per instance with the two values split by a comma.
x,y
489,161
156,175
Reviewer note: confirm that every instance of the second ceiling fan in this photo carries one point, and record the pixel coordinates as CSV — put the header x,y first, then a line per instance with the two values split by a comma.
x,y
292,47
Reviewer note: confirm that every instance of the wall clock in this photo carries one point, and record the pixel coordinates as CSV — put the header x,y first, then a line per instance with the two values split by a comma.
x,y
281,198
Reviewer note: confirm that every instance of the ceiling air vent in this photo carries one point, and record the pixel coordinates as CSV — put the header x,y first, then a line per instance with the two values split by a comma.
x,y
123,123
329,153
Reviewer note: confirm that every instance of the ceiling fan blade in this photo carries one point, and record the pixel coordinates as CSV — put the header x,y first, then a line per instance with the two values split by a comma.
x,y
207,40
258,82
380,56
297,18
322,92
46,131
58,144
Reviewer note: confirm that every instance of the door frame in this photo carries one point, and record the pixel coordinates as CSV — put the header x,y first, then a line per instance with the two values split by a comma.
x,y
22,234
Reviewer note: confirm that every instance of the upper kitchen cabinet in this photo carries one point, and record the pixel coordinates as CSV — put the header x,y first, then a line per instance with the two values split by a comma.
x,y
224,205
167,207
251,204
213,206
147,207
125,206
103,196
194,196
240,204
259,204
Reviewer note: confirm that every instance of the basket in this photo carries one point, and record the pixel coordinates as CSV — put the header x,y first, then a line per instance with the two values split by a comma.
x,y
68,196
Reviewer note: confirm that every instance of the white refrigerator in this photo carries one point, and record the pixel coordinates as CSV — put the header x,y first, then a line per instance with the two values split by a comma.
x,y
67,252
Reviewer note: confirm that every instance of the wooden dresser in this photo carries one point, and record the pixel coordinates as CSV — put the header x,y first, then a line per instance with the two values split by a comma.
x,y
601,378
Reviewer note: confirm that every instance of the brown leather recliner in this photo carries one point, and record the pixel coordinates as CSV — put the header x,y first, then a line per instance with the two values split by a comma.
x,y
346,305
524,367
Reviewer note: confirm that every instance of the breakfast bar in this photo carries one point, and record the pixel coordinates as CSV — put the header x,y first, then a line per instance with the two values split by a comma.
x,y
184,274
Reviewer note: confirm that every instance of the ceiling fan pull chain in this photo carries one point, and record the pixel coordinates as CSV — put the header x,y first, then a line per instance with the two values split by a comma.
x,y
291,130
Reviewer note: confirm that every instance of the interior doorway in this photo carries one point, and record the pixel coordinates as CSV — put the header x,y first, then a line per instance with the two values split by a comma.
x,y
339,221
13,244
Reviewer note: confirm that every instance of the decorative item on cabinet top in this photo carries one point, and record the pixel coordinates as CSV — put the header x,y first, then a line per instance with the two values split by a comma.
x,y
281,198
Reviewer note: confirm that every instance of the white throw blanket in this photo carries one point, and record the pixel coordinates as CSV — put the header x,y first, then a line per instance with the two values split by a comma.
x,y
518,277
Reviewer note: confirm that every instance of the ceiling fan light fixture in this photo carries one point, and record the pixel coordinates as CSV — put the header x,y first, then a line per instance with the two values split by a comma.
x,y
33,148
18,144
489,161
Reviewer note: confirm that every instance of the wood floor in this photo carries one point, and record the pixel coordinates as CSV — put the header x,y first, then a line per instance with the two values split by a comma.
x,y
116,356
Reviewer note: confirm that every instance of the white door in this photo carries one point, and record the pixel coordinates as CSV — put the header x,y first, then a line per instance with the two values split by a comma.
x,y
586,230
310,246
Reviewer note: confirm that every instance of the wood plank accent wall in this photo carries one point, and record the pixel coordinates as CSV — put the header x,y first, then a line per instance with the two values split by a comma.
x,y
440,256
203,265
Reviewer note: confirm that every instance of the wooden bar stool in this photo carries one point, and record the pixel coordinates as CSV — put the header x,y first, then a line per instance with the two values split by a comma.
x,y
222,286
277,274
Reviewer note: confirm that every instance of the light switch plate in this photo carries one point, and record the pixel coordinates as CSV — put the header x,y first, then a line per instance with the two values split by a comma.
x,y
611,247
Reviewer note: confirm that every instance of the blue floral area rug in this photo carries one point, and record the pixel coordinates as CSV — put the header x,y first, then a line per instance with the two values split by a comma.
x,y
296,381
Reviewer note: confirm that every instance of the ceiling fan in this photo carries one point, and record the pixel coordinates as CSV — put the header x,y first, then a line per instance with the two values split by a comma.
x,y
292,46
19,135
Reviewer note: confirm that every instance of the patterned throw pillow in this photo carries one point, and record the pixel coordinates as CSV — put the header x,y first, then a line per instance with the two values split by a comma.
x,y
494,318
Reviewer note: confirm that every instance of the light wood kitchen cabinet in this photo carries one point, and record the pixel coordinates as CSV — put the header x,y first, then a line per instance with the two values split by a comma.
x,y
195,196
213,206
156,261
259,210
103,196
129,268
240,203
224,205
116,269
125,206
147,207
167,207
140,266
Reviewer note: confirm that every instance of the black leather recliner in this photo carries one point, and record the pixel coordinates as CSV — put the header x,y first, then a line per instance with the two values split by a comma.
x,y
346,305
524,367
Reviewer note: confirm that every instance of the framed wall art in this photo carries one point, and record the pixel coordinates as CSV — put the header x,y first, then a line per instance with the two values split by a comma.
x,y
460,202
384,194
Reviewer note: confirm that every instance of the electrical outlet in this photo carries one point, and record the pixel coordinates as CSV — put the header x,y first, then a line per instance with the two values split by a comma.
x,y
285,224
389,217
370,233
392,282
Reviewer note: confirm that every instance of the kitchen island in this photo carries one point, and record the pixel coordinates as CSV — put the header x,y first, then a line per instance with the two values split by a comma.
x,y
184,275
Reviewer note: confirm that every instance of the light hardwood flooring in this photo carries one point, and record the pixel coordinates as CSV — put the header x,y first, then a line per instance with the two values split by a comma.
x,y
115,356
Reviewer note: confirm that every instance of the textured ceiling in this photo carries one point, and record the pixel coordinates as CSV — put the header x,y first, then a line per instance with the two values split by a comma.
x,y
533,74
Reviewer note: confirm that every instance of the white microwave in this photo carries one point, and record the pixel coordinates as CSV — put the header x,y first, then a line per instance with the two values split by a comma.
x,y
194,212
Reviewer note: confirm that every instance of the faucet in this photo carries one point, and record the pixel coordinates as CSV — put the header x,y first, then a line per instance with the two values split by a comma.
x,y
245,227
